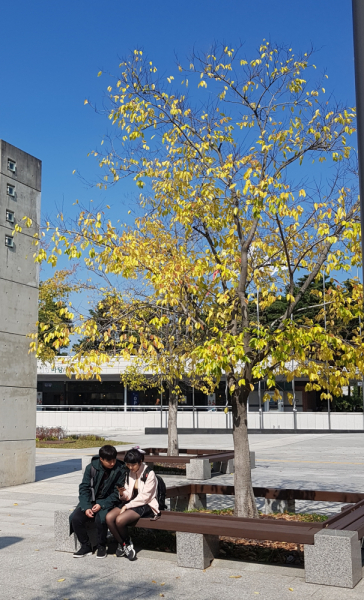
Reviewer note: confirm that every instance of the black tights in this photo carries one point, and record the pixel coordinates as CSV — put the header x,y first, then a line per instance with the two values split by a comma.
x,y
118,523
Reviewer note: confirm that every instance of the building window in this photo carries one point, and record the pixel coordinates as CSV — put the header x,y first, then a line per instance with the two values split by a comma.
x,y
11,190
11,165
9,241
10,216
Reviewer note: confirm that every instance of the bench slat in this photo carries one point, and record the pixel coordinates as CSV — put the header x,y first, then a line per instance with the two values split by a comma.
x,y
349,521
346,518
276,493
358,526
178,490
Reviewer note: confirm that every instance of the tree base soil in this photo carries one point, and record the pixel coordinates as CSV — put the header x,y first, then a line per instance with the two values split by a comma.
x,y
170,469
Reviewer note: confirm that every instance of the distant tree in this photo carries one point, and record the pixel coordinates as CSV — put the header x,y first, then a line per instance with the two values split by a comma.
x,y
156,341
107,327
54,317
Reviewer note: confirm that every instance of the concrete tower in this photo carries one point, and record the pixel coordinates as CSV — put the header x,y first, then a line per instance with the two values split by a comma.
x,y
20,186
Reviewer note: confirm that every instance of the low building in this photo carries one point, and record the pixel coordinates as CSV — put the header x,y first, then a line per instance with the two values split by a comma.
x,y
55,389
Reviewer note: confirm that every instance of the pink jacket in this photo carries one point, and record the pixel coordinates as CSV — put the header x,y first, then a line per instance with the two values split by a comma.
x,y
147,491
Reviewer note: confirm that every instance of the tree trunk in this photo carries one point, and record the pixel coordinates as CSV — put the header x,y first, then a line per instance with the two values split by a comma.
x,y
245,505
172,422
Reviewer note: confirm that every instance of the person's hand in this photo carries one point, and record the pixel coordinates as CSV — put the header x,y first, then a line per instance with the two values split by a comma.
x,y
89,513
96,508
120,489
122,510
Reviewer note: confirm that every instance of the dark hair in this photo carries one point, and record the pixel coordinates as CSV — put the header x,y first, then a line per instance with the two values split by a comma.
x,y
107,452
133,456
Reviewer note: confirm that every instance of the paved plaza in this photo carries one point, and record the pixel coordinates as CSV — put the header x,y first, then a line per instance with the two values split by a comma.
x,y
32,570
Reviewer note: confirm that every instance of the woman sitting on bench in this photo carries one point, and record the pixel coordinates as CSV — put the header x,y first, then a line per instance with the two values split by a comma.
x,y
139,500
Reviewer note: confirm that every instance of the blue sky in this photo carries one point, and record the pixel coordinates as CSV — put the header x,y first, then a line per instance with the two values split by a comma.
x,y
51,54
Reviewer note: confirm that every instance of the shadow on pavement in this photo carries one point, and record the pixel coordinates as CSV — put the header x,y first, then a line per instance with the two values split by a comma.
x,y
49,470
6,541
97,588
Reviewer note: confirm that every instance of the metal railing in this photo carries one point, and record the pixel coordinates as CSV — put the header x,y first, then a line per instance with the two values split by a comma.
x,y
126,408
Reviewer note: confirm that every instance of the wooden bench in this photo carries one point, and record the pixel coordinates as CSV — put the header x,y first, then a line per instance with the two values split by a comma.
x,y
197,534
197,461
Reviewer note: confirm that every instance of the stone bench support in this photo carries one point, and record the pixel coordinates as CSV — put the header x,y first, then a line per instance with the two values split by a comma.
x,y
334,559
198,468
64,542
195,550
229,466
273,505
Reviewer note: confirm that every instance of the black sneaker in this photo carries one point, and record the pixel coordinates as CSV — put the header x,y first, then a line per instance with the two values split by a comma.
x,y
120,550
101,552
129,550
83,551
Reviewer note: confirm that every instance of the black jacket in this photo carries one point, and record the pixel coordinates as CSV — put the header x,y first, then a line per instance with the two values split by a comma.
x,y
110,493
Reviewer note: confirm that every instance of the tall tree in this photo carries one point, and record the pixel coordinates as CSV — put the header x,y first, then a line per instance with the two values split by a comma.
x,y
235,197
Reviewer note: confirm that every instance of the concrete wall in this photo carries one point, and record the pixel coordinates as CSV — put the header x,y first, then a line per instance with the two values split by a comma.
x,y
19,279
104,421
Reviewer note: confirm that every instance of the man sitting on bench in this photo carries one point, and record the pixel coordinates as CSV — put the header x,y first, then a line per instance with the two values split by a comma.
x,y
98,495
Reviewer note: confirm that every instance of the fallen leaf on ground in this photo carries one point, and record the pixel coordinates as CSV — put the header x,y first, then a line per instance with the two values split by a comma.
x,y
15,504
162,595
164,583
153,581
234,576
61,579
290,589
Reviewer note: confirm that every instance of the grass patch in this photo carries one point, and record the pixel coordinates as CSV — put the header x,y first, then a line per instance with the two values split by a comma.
x,y
78,442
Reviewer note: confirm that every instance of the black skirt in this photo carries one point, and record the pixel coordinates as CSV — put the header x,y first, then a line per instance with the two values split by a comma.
x,y
143,511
